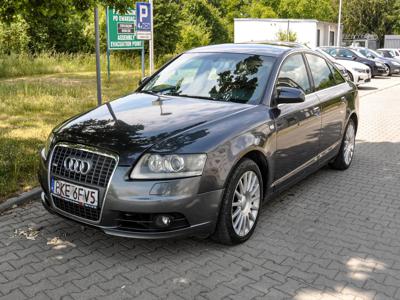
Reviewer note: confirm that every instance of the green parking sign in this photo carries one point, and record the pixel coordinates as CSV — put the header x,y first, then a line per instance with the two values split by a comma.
x,y
121,30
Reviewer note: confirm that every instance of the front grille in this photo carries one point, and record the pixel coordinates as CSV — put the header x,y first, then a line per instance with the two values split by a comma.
x,y
75,209
99,175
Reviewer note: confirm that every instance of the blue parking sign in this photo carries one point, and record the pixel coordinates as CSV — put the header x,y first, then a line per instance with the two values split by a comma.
x,y
143,20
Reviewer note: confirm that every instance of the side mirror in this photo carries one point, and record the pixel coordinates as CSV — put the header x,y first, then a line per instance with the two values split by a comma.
x,y
289,95
354,57
144,80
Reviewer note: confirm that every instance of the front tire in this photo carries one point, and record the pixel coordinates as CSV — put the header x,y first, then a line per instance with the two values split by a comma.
x,y
345,156
240,204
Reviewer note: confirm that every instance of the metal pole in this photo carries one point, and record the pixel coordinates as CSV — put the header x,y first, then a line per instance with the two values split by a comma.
x,y
108,49
339,25
151,42
142,59
98,70
287,34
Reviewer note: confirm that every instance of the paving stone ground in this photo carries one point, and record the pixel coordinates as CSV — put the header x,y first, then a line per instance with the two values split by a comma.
x,y
335,235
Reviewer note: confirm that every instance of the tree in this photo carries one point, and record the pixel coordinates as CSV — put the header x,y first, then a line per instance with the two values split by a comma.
x,y
322,10
371,16
167,27
201,10
57,25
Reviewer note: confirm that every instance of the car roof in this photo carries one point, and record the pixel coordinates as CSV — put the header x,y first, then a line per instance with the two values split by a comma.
x,y
247,48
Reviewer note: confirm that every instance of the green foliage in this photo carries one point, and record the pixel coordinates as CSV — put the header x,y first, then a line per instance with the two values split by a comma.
x,y
201,11
14,37
167,28
193,35
256,9
323,10
283,36
371,16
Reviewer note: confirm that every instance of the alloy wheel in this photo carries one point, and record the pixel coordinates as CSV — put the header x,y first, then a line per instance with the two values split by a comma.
x,y
349,144
246,203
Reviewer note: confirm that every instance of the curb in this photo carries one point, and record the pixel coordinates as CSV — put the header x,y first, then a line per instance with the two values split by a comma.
x,y
33,194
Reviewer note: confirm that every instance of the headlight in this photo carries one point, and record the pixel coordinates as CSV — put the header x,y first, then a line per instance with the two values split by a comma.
x,y
378,64
359,70
47,146
156,166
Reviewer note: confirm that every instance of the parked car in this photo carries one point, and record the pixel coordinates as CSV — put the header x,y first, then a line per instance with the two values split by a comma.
x,y
390,53
202,143
356,72
392,64
341,53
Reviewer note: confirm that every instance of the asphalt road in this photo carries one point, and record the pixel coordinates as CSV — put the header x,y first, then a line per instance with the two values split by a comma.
x,y
335,235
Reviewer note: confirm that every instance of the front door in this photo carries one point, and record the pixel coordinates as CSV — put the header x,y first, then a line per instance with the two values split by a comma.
x,y
298,125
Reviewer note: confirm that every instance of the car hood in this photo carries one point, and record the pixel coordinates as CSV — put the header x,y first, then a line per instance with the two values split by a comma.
x,y
132,124
349,64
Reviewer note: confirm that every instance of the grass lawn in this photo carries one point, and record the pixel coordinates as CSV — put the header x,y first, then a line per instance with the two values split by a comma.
x,y
31,106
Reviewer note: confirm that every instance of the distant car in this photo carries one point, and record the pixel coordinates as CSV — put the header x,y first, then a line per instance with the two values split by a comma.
x,y
341,53
355,71
389,53
391,63
202,143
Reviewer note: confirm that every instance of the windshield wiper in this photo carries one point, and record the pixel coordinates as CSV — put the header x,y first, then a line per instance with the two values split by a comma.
x,y
192,96
149,92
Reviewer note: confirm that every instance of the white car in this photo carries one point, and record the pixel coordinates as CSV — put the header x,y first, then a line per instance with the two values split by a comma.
x,y
358,73
389,53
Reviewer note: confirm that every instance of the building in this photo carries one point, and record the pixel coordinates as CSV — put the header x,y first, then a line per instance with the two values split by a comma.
x,y
392,41
312,33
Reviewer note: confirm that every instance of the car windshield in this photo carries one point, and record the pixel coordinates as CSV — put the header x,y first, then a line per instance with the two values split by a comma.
x,y
214,76
328,56
374,53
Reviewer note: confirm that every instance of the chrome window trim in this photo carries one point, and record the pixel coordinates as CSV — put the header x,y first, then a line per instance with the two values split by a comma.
x,y
88,149
306,164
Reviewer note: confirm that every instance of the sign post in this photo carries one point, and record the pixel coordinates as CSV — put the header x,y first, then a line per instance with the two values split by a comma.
x,y
144,25
98,70
121,32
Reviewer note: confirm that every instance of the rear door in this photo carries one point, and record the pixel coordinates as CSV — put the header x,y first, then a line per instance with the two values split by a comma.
x,y
332,91
297,124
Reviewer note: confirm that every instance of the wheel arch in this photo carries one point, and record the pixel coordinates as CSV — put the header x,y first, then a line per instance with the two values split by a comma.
x,y
263,164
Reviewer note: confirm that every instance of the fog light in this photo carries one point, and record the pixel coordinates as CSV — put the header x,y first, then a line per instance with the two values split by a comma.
x,y
163,220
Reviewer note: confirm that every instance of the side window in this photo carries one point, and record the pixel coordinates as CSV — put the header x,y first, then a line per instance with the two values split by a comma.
x,y
293,73
321,73
336,75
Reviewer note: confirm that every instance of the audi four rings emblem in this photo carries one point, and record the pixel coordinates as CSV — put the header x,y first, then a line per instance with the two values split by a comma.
x,y
77,165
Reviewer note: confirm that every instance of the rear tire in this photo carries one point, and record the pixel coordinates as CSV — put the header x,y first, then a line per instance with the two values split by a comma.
x,y
241,203
346,153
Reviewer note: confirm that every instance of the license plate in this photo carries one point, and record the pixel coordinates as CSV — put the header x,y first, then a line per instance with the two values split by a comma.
x,y
75,193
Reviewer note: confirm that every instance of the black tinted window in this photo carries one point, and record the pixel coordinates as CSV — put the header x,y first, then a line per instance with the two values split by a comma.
x,y
321,73
294,74
215,76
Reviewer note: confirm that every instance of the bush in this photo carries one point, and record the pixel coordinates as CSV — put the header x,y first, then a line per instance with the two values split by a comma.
x,y
14,37
282,36
192,36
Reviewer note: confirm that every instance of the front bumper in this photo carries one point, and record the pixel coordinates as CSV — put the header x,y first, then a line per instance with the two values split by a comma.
x,y
361,78
144,200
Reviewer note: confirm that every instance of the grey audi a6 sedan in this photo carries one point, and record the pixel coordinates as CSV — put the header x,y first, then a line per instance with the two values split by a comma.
x,y
202,143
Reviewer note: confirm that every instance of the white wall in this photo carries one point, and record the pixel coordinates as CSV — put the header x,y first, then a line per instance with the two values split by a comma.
x,y
257,30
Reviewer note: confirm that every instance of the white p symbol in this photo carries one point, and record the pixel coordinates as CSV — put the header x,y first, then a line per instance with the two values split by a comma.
x,y
144,12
